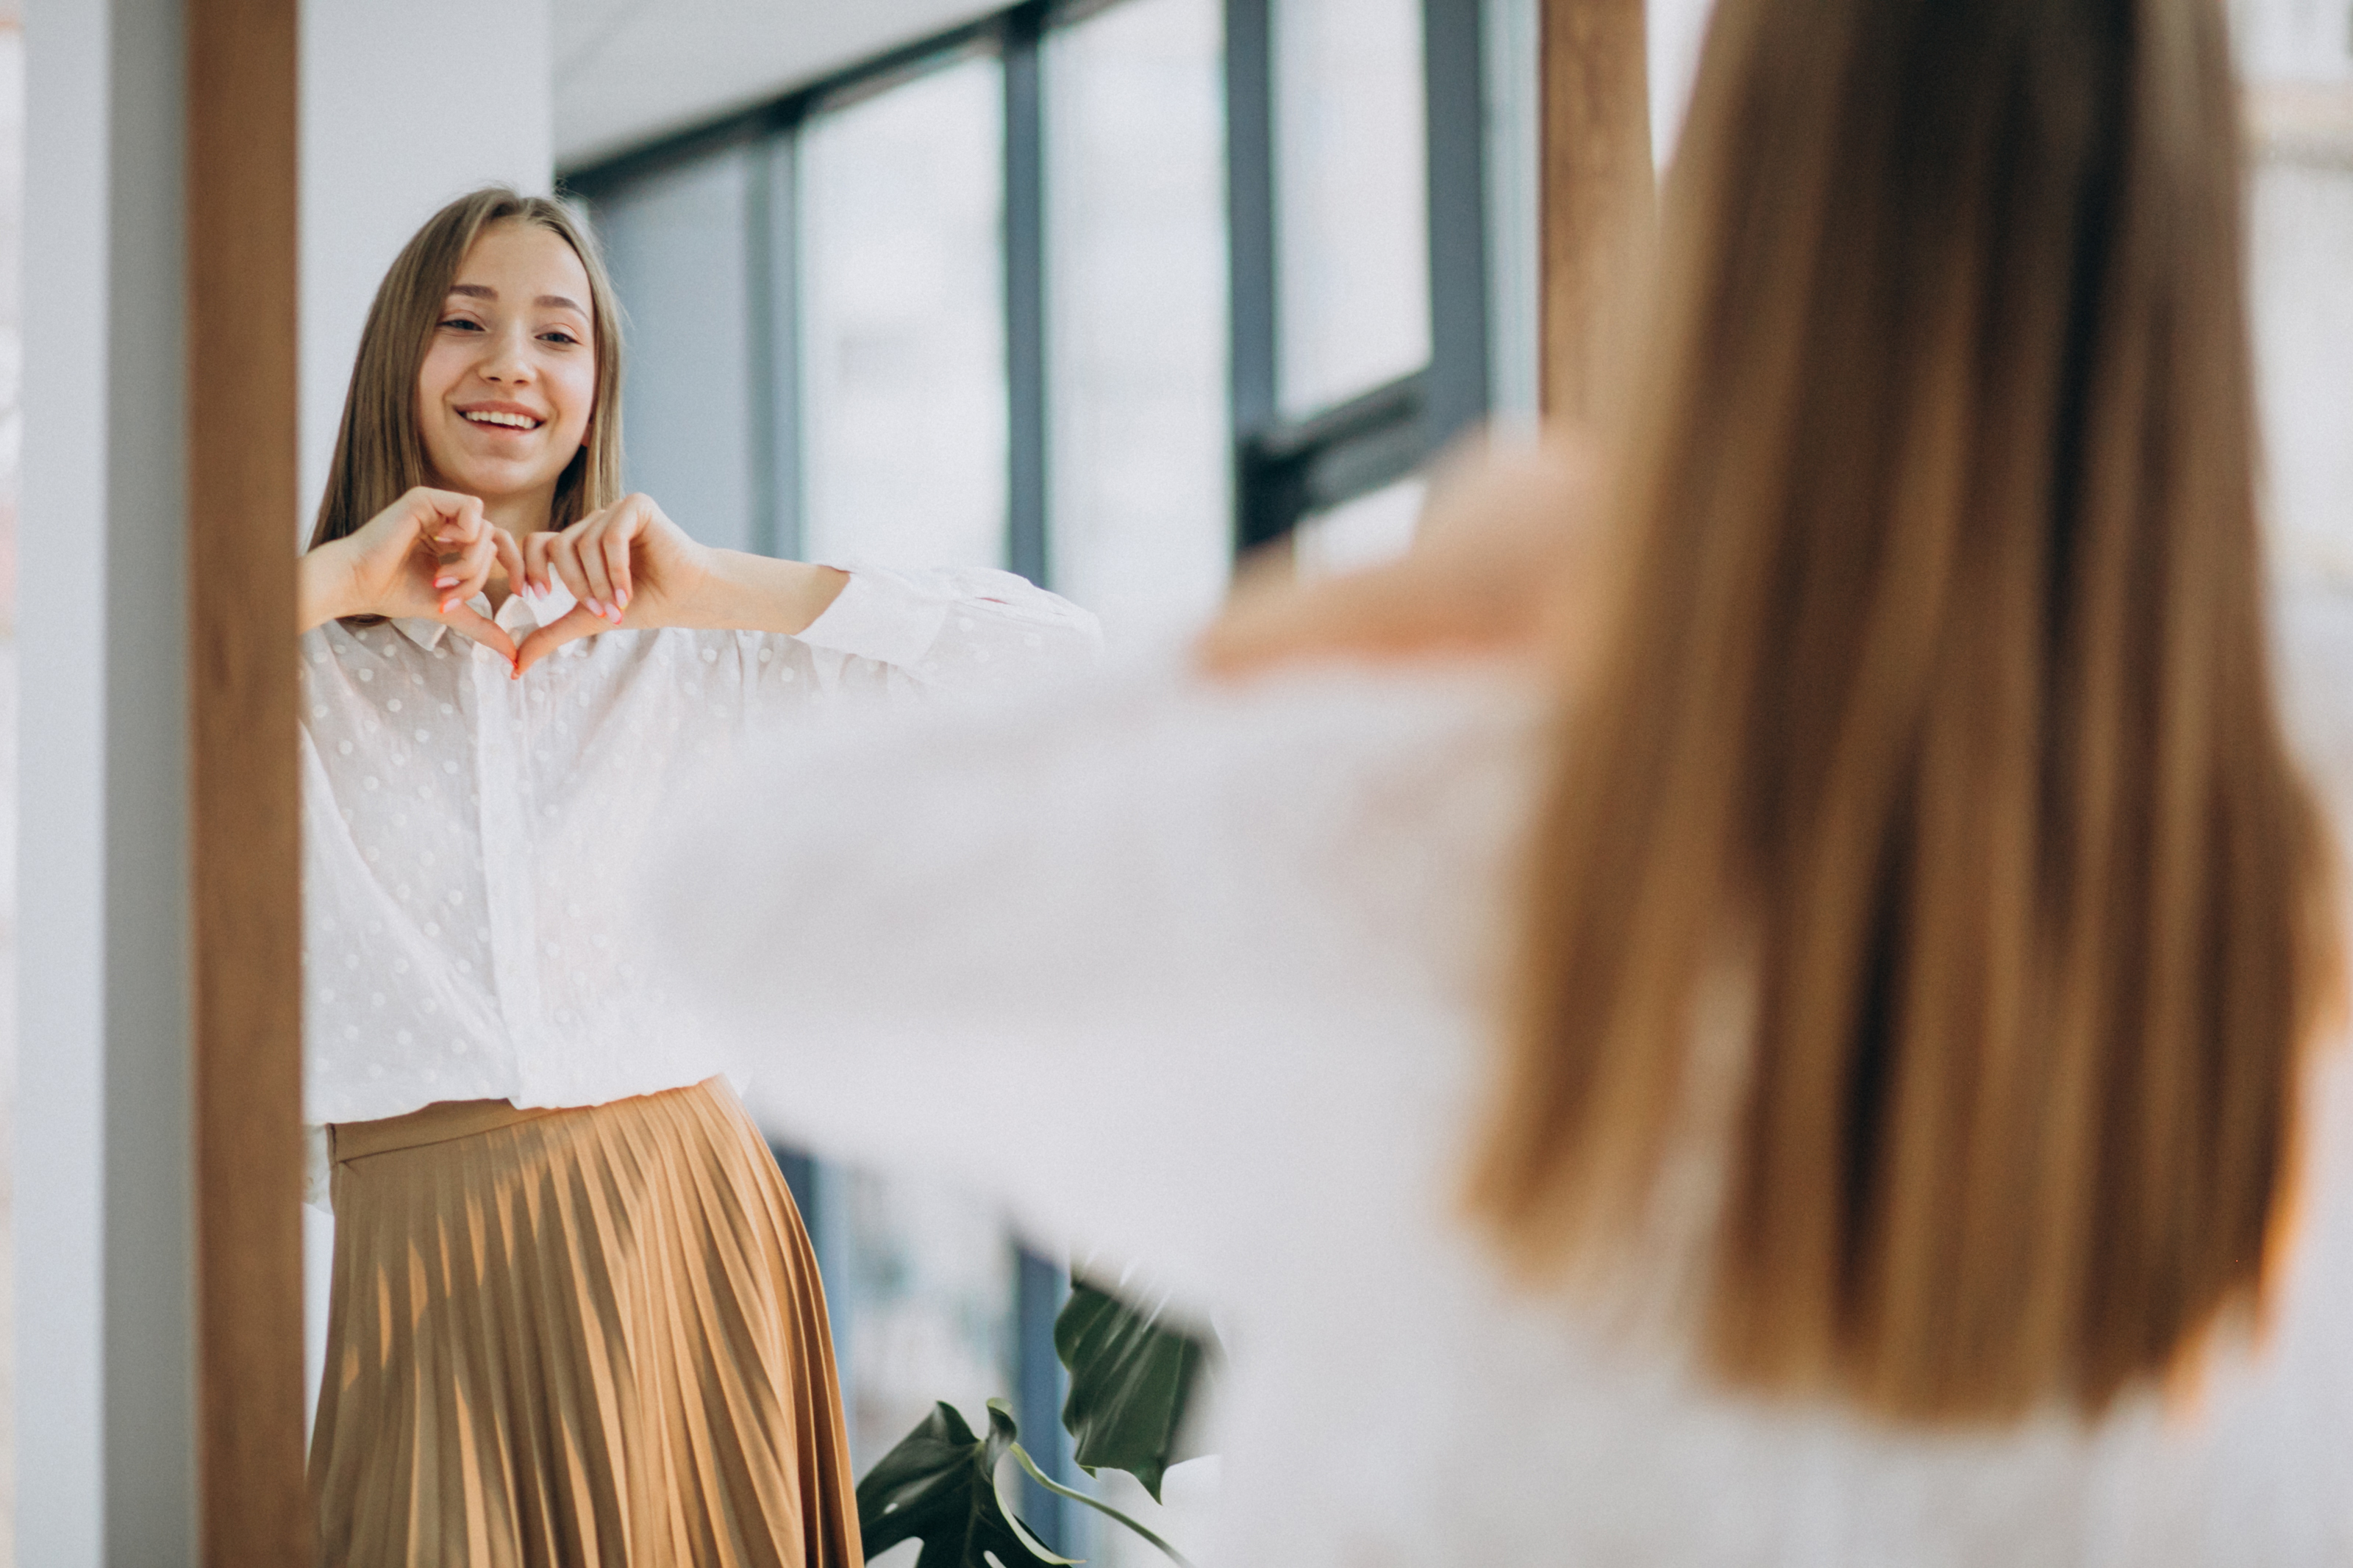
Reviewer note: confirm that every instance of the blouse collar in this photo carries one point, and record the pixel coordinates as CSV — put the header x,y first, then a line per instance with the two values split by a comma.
x,y
517,617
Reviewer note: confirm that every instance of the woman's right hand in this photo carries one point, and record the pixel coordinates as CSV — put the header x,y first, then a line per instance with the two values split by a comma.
x,y
422,557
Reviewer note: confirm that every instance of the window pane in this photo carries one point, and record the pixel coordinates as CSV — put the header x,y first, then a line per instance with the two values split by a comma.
x,y
903,337
1352,221
1362,532
921,1297
677,247
1137,272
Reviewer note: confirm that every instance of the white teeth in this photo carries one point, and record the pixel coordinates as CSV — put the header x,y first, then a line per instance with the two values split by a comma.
x,y
514,421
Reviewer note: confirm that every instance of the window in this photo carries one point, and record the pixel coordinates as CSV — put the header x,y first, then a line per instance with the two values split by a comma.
x,y
902,323
1102,292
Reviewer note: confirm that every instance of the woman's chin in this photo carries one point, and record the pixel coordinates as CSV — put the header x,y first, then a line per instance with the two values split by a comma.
x,y
494,477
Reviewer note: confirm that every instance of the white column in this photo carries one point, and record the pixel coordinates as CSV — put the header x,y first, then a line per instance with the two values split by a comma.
x,y
105,1398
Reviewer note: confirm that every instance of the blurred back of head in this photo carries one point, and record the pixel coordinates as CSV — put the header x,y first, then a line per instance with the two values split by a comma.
x,y
1936,690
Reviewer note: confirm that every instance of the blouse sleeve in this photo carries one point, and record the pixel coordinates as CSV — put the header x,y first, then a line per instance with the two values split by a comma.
x,y
1095,952
949,630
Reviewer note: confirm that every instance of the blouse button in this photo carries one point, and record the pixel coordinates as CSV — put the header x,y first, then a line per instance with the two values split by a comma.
x,y
710,656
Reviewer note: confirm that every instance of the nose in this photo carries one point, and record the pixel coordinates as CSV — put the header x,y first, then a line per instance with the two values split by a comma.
x,y
506,359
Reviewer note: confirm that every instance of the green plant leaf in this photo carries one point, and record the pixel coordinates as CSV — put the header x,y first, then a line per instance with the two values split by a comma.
x,y
939,1485
1133,1376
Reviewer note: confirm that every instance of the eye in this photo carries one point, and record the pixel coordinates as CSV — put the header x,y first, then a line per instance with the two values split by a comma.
x,y
462,324
560,335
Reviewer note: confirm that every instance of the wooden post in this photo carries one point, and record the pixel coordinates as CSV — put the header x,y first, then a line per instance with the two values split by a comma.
x,y
245,854
1597,186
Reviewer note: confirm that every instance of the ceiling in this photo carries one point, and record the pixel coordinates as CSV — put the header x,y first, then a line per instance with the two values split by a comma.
x,y
628,71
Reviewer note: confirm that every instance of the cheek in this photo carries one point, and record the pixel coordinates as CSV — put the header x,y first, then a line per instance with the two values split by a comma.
x,y
578,399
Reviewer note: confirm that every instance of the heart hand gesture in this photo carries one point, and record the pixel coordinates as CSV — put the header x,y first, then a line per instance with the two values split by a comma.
x,y
628,564
422,557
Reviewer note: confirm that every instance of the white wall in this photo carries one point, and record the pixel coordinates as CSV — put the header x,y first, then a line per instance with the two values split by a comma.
x,y
627,72
404,107
105,1393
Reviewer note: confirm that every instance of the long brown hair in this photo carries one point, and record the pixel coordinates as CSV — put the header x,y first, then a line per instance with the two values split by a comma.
x,y
379,450
1934,687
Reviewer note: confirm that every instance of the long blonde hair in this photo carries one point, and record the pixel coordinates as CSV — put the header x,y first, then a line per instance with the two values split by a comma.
x,y
1935,684
379,450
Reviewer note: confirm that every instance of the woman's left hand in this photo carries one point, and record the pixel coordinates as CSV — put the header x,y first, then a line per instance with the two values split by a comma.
x,y
628,564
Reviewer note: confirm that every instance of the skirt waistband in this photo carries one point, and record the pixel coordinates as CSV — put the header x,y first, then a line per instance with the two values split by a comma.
x,y
446,1120
440,1123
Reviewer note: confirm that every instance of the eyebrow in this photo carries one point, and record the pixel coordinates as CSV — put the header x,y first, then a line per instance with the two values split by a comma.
x,y
484,292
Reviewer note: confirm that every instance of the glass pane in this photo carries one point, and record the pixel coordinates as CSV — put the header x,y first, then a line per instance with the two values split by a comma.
x,y
903,326
1136,264
677,247
1362,532
1515,210
918,1284
1352,219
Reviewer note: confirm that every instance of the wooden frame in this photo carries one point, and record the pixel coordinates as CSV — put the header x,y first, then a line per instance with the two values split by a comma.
x,y
1597,186
244,825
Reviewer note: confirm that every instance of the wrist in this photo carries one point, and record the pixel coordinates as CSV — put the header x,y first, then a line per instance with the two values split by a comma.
x,y
762,594
322,585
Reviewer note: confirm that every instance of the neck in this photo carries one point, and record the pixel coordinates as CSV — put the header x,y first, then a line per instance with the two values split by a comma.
x,y
520,514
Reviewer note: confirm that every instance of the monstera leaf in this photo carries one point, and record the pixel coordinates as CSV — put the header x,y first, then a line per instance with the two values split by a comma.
x,y
1132,1376
939,1485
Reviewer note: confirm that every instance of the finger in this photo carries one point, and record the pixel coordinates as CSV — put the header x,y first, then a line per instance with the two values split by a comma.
x,y
570,627
565,560
473,573
535,548
588,548
617,543
449,516
460,573
510,558
472,625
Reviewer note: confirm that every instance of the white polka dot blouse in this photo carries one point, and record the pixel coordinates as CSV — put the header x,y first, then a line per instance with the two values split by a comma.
x,y
467,835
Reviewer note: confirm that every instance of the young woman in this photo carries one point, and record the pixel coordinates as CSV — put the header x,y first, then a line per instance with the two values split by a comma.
x,y
1815,1069
575,1317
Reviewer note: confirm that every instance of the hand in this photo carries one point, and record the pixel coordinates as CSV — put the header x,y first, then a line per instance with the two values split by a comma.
x,y
628,564
1495,566
422,557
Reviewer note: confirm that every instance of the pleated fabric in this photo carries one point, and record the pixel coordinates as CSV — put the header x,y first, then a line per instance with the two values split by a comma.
x,y
592,1338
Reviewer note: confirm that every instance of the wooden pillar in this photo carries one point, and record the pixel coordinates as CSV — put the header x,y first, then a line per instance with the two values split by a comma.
x,y
1597,186
245,851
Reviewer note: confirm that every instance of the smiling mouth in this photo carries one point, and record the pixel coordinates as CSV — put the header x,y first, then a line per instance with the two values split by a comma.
x,y
497,421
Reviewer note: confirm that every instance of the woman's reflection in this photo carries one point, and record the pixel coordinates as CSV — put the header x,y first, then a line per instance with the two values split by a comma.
x,y
574,1315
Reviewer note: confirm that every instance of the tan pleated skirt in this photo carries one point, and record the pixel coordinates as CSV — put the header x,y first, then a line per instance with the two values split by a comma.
x,y
591,1338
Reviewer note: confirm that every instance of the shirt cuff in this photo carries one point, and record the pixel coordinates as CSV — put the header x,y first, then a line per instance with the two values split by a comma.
x,y
879,614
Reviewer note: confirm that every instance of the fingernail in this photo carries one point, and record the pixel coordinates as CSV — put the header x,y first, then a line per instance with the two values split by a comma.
x,y
595,606
447,605
445,581
616,614
624,598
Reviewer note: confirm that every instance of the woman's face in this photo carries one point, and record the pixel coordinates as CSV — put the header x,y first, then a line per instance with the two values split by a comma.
x,y
509,374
